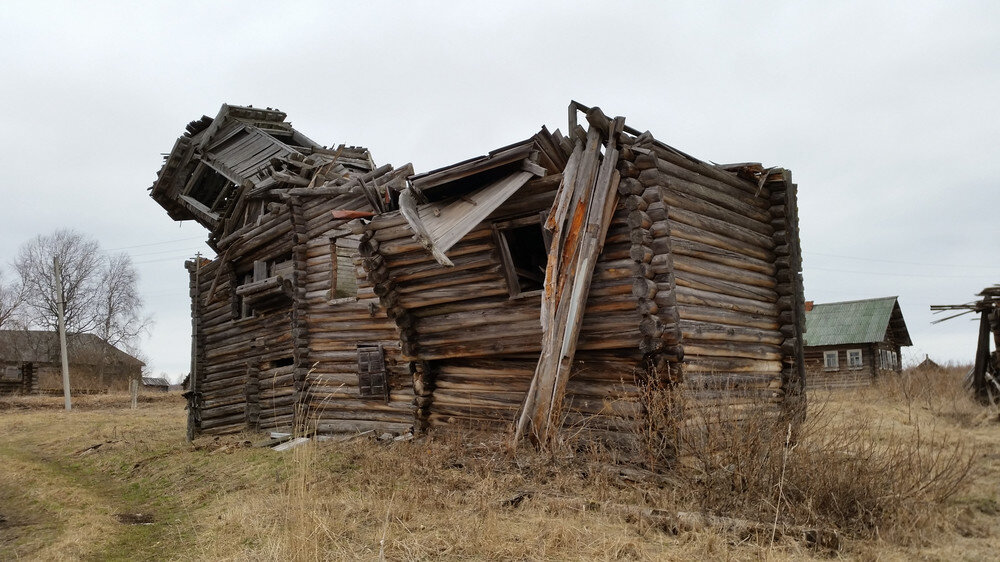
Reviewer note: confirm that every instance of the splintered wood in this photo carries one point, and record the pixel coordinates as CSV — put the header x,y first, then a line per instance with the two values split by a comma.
x,y
984,379
578,221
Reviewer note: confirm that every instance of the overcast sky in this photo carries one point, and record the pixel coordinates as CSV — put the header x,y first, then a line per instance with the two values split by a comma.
x,y
887,117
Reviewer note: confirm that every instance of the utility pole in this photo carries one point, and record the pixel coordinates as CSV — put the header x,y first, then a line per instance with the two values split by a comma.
x,y
60,306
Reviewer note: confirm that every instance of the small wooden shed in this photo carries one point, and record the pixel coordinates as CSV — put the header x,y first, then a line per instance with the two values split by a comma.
x,y
849,343
545,284
156,384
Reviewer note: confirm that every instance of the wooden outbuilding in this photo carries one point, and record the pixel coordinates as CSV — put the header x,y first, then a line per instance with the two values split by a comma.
x,y
550,283
156,384
849,343
30,363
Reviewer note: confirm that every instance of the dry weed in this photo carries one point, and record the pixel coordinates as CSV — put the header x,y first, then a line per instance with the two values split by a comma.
x,y
849,469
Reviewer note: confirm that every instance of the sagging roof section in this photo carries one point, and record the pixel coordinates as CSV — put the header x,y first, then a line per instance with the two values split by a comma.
x,y
855,322
219,165
459,197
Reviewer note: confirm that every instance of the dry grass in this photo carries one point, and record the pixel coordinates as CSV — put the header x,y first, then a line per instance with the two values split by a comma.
x,y
887,467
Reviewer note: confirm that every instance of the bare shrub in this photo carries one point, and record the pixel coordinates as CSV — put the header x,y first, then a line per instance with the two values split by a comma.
x,y
846,470
940,391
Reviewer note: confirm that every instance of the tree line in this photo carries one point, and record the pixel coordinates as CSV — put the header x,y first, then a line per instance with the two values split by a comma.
x,y
101,290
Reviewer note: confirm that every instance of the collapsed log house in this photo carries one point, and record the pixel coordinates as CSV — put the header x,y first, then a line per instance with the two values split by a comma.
x,y
984,379
556,277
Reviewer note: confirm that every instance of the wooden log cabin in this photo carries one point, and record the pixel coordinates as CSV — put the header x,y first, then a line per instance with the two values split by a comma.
x,y
849,343
30,363
556,277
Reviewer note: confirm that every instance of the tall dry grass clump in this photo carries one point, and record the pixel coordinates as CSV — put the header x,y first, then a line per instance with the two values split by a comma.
x,y
850,467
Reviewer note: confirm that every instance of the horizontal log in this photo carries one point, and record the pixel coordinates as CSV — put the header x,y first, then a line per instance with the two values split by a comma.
x,y
697,297
710,331
727,317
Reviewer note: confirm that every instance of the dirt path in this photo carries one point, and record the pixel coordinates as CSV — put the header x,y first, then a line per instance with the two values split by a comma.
x,y
63,502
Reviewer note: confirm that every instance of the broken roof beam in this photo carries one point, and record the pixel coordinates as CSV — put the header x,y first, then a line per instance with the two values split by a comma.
x,y
494,159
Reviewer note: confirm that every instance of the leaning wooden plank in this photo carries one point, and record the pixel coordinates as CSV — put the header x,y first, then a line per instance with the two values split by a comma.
x,y
567,284
603,205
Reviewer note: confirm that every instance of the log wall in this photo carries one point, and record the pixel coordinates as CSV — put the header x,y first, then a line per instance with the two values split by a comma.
x,y
724,243
475,348
294,364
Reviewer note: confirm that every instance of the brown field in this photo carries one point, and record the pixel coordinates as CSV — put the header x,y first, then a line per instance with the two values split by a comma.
x,y
906,470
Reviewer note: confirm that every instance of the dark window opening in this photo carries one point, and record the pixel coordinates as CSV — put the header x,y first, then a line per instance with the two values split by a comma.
x,y
525,254
211,188
283,362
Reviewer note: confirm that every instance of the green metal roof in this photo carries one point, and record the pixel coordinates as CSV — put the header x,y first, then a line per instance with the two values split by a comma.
x,y
850,322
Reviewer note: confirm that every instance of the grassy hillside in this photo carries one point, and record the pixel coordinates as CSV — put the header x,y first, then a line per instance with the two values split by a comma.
x,y
905,470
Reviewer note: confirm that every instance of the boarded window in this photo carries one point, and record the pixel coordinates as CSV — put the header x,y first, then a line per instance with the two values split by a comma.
x,y
830,361
524,252
372,379
854,360
343,277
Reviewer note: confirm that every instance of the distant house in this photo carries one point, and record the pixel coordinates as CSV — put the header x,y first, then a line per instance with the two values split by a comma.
x,y
927,364
155,383
30,363
848,343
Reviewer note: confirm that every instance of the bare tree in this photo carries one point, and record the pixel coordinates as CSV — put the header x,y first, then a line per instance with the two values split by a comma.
x,y
101,291
81,274
120,313
11,295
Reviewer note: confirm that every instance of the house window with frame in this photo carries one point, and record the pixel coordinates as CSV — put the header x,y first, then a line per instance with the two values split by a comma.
x,y
854,359
831,361
343,278
523,249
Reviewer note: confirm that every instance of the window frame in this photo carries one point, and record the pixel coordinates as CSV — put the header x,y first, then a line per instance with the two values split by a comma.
x,y
861,359
332,297
835,354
